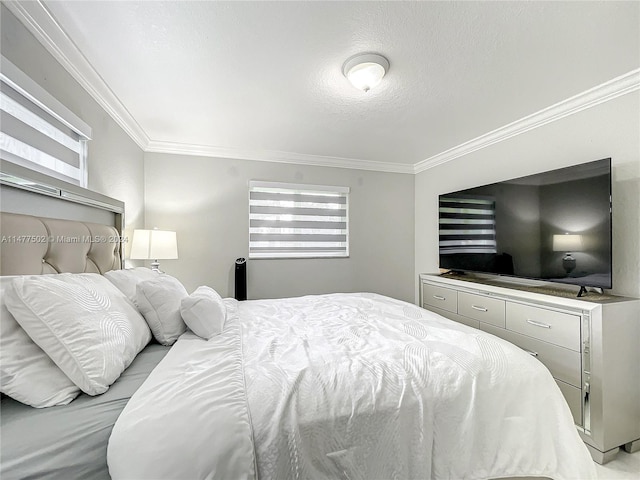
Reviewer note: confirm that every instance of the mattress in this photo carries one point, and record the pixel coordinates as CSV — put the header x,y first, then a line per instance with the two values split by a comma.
x,y
69,441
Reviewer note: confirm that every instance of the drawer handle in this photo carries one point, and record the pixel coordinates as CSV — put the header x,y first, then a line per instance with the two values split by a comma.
x,y
538,324
533,354
438,297
482,309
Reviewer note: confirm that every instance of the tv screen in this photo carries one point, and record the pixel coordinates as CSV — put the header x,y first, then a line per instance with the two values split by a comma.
x,y
553,226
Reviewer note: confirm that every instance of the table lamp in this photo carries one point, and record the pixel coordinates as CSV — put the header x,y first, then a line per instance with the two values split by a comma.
x,y
567,243
154,245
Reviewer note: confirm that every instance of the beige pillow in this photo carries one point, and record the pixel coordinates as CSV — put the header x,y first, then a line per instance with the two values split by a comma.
x,y
159,302
84,323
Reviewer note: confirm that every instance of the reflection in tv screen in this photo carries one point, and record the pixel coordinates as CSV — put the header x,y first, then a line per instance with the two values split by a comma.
x,y
553,226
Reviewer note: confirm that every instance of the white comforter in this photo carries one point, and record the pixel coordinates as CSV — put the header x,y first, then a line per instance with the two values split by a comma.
x,y
353,386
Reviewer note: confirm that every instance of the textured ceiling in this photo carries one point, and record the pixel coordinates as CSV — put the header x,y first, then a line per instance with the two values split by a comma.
x,y
266,76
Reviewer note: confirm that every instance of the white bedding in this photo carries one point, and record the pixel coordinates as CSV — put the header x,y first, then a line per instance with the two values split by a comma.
x,y
353,386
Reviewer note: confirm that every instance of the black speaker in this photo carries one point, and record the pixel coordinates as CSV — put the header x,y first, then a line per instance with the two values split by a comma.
x,y
241,279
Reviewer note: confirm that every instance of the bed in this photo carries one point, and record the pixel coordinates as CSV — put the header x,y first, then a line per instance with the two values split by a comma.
x,y
328,386
346,386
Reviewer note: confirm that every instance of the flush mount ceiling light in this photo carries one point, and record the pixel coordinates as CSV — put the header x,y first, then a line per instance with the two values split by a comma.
x,y
365,70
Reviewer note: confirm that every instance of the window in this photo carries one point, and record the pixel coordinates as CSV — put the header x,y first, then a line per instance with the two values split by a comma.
x,y
298,221
467,224
38,132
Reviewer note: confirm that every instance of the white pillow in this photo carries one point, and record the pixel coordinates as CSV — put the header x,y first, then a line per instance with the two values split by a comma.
x,y
126,280
159,302
204,312
84,323
27,374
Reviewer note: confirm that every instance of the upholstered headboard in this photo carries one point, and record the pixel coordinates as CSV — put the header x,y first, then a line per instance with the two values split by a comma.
x,y
36,245
51,226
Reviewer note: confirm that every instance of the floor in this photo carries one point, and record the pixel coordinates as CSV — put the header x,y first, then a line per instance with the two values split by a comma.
x,y
626,466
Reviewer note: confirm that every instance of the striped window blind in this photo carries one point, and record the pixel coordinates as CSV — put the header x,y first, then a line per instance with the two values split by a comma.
x,y
467,224
298,221
37,131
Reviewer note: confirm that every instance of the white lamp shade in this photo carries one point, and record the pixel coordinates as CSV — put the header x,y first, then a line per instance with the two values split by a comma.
x,y
365,71
154,245
567,243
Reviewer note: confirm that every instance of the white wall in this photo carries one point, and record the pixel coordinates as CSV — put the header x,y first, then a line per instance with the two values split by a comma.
x,y
115,162
206,201
611,130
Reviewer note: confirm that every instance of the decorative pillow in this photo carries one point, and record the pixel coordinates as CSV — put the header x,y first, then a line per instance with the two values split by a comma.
x,y
84,323
159,302
204,312
126,280
27,374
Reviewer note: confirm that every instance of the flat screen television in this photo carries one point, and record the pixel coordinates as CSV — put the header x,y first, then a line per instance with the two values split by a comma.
x,y
553,226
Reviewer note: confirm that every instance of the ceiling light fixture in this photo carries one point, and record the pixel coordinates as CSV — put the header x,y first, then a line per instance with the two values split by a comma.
x,y
365,70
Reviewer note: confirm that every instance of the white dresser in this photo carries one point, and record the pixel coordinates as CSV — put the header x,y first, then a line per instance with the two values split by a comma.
x,y
591,346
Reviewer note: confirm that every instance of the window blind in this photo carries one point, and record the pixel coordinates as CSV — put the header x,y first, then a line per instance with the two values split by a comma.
x,y
37,131
294,221
467,225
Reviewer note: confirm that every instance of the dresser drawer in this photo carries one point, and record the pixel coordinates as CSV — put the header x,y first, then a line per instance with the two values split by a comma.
x,y
440,297
573,396
484,309
564,364
561,329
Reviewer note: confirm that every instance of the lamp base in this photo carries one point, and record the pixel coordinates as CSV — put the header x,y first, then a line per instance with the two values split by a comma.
x,y
155,266
568,263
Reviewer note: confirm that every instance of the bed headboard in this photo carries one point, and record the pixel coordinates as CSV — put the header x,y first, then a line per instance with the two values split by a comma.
x,y
47,226
37,245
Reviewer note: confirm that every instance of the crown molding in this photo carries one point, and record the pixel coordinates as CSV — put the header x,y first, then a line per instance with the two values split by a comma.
x,y
627,83
277,157
41,23
35,16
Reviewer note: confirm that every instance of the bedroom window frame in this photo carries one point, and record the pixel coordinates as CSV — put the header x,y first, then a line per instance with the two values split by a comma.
x,y
261,223
39,132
